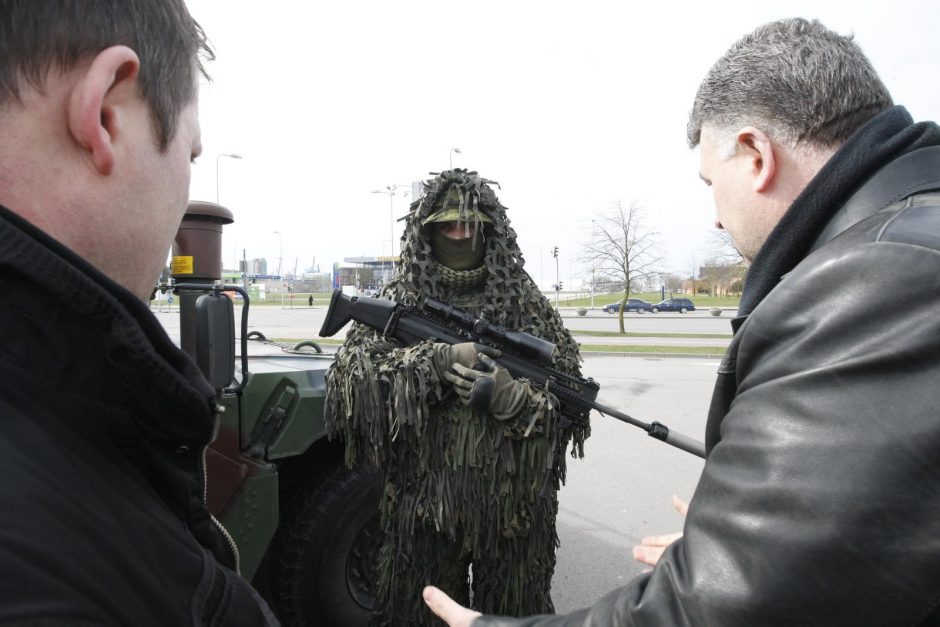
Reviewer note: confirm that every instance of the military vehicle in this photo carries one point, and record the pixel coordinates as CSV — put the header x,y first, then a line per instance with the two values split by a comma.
x,y
306,528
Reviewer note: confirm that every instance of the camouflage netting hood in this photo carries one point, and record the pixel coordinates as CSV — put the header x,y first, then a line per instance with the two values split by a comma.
x,y
505,294
500,290
472,486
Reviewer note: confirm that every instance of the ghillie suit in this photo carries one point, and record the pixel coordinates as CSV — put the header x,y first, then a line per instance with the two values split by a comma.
x,y
460,487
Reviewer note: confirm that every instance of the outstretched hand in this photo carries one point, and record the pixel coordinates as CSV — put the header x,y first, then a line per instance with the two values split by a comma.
x,y
651,548
448,610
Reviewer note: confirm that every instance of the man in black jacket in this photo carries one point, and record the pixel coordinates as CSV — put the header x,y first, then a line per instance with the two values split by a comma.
x,y
819,503
104,421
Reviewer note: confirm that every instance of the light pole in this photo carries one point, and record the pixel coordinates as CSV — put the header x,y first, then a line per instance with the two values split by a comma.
x,y
557,282
390,190
451,156
231,155
593,260
280,262
280,259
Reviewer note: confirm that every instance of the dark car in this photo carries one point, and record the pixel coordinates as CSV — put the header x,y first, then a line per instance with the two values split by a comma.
x,y
633,304
681,305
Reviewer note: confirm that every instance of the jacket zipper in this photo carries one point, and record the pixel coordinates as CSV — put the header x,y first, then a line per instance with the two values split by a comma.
x,y
205,495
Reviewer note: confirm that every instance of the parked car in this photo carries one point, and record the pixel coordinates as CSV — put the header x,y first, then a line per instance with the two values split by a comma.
x,y
633,304
681,305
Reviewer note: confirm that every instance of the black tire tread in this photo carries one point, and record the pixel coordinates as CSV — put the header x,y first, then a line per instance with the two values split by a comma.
x,y
307,520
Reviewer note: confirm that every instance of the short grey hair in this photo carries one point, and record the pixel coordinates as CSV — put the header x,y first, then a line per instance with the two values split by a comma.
x,y
796,80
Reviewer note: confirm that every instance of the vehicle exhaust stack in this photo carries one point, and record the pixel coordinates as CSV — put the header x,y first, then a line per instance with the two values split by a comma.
x,y
207,327
197,249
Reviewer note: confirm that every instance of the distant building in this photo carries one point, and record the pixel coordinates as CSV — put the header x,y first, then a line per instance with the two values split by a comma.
x,y
367,273
253,267
258,266
718,280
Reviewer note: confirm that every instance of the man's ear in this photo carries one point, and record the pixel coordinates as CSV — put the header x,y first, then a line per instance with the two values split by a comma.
x,y
93,110
758,148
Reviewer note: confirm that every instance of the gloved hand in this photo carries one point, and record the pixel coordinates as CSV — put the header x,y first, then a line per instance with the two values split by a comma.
x,y
491,390
465,354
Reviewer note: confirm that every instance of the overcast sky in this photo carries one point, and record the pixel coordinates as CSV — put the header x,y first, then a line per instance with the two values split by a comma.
x,y
571,106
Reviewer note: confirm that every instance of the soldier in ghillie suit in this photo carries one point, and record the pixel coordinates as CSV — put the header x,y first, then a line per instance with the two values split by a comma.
x,y
461,486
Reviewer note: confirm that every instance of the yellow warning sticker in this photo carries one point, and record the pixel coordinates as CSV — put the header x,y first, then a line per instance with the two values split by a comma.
x,y
181,265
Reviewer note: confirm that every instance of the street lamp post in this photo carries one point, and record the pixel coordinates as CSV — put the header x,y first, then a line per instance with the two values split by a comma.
x,y
280,259
557,278
451,156
390,190
280,262
593,260
231,155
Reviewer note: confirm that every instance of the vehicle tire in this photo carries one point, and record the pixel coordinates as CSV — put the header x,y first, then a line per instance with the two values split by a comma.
x,y
326,551
308,343
641,311
655,309
257,335
682,310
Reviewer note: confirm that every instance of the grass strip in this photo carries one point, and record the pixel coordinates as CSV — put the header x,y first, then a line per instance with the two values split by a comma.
x,y
726,336
626,348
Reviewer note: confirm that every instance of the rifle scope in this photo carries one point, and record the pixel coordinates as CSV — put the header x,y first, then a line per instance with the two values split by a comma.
x,y
523,343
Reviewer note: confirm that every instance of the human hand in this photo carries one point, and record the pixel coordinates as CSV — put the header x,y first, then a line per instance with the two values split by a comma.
x,y
466,354
448,610
491,390
651,548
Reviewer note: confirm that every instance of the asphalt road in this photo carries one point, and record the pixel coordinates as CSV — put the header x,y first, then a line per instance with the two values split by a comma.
x,y
305,322
622,488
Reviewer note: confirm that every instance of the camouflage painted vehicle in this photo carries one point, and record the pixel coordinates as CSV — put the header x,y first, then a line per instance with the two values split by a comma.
x,y
305,527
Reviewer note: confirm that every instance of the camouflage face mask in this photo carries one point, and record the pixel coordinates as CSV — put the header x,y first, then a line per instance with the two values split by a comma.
x,y
458,254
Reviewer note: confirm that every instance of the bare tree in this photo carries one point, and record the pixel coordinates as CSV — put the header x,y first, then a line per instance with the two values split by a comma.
x,y
726,267
722,277
622,251
723,249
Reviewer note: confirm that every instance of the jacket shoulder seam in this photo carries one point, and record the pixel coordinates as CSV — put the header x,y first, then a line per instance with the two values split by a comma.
x,y
900,214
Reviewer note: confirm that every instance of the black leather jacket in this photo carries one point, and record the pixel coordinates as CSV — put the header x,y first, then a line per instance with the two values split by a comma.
x,y
103,424
819,503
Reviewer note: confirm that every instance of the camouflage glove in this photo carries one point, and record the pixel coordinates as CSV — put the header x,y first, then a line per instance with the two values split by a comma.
x,y
465,354
491,390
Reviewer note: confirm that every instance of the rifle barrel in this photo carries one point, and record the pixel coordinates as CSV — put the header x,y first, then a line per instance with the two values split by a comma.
x,y
656,430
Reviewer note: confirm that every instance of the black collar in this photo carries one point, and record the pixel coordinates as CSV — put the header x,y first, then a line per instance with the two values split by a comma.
x,y
170,396
883,139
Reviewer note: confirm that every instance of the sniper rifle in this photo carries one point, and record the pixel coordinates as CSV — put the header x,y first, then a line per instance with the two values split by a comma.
x,y
522,354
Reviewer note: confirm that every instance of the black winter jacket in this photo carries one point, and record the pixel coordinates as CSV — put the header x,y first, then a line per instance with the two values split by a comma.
x,y
819,503
103,426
